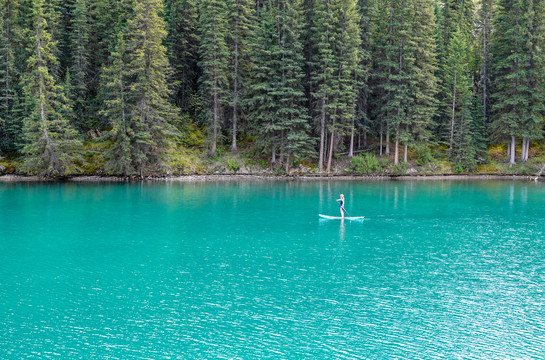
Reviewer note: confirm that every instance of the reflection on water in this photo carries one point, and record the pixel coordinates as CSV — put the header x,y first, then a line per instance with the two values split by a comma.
x,y
439,270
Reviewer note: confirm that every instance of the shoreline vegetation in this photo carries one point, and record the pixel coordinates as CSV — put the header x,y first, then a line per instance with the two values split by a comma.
x,y
248,177
243,165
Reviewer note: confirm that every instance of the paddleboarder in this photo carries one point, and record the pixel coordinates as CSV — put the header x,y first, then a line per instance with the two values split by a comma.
x,y
341,203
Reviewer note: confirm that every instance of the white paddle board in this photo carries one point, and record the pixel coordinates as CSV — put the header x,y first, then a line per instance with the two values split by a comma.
x,y
338,217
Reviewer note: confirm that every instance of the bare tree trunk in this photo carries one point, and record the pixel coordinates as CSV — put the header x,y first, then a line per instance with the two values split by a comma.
x,y
273,156
523,147
540,172
381,134
330,157
388,137
364,137
452,115
512,157
405,155
396,153
322,138
351,148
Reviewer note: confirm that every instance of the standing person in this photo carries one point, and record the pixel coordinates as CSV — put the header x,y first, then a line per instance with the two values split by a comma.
x,y
341,203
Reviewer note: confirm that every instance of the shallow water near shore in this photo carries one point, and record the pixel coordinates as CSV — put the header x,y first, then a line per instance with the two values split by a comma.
x,y
244,270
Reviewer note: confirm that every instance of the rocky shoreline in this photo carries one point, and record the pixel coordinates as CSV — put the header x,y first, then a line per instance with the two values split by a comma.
x,y
262,177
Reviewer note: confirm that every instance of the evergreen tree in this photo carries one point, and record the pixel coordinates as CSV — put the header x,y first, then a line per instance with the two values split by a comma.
x,y
518,73
240,35
295,141
51,143
424,83
532,121
361,121
183,49
452,16
69,99
9,92
395,68
79,46
336,41
114,80
53,16
322,69
278,95
458,86
484,27
347,44
214,64
148,69
265,81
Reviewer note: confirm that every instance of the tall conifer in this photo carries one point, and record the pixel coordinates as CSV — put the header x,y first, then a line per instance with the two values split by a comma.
x,y
148,69
241,19
10,40
50,141
79,46
115,81
183,49
518,73
215,60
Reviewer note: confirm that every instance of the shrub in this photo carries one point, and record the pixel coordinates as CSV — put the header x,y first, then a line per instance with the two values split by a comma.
x,y
400,169
498,152
458,168
365,164
233,165
424,155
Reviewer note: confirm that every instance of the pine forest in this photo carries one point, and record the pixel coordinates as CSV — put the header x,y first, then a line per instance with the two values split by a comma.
x,y
172,87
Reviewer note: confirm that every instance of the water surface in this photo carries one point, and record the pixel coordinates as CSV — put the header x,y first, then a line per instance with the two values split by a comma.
x,y
248,270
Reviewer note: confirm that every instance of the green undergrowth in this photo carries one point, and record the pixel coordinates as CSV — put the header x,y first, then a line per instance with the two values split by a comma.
x,y
180,160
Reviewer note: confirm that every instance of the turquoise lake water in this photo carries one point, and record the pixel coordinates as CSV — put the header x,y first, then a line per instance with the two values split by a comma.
x,y
437,270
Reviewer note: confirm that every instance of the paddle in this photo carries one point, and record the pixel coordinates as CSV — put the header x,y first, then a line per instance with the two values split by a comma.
x,y
346,211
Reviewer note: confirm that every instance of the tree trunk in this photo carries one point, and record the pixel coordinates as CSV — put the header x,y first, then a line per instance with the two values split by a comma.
x,y
512,157
322,138
329,160
381,134
396,153
540,172
273,156
387,137
215,120
523,147
405,154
